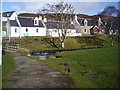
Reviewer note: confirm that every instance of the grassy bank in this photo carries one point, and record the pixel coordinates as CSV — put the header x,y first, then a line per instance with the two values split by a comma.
x,y
8,64
96,68
39,44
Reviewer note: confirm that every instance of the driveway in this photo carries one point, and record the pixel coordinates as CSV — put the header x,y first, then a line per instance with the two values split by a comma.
x,y
34,74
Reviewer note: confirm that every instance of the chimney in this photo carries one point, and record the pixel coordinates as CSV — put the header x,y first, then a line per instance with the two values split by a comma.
x,y
45,19
99,21
85,22
40,17
75,17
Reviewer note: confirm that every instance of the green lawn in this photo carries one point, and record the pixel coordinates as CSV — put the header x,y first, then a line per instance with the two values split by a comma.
x,y
0,76
8,64
95,68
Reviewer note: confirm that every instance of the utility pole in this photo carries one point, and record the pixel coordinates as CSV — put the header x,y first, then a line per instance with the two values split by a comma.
x,y
0,45
0,33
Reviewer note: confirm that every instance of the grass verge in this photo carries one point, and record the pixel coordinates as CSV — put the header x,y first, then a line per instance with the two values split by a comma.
x,y
8,64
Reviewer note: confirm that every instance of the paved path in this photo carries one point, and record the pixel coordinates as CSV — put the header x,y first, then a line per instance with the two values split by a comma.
x,y
34,74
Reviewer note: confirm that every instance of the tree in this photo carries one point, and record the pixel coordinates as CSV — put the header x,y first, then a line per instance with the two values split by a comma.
x,y
62,13
112,23
109,11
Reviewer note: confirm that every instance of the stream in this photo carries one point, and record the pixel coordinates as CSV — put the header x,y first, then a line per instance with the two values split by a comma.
x,y
50,53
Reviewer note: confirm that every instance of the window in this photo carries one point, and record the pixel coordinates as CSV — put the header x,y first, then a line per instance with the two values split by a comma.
x,y
7,14
85,30
37,30
55,30
26,29
35,21
15,30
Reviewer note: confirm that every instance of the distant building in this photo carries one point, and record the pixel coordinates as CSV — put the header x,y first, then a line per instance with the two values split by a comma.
x,y
11,15
87,26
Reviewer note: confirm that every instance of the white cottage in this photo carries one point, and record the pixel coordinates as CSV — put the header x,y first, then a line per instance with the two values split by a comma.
x,y
11,15
23,26
53,27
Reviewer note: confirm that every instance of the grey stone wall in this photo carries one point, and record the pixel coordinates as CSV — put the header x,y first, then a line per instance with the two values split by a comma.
x,y
85,30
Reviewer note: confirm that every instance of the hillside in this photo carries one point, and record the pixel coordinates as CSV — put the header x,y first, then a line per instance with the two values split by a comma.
x,y
53,17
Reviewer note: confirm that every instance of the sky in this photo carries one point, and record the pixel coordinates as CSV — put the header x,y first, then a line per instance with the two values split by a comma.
x,y
89,7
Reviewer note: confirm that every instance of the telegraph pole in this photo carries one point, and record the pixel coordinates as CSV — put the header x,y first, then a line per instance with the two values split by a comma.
x,y
0,32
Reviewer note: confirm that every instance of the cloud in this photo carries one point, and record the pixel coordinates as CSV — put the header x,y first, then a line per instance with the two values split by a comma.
x,y
32,0
83,7
61,0
16,7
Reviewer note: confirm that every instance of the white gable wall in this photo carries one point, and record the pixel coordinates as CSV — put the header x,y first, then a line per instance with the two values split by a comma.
x,y
13,16
13,33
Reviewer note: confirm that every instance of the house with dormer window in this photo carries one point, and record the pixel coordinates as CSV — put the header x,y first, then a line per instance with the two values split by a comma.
x,y
88,26
23,26
11,15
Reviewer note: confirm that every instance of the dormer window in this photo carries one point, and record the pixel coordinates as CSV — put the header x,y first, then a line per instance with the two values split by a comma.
x,y
7,14
36,21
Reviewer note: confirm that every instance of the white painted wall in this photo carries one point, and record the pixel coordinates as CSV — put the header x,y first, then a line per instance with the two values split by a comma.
x,y
13,16
71,32
13,33
4,19
31,31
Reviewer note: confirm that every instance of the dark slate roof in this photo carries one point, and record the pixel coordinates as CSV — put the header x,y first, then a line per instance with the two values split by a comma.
x,y
26,22
91,22
13,23
29,22
58,25
7,14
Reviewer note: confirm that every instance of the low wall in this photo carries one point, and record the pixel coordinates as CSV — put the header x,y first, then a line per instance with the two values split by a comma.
x,y
11,46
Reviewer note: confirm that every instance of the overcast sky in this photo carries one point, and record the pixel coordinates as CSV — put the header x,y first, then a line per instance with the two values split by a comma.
x,y
89,7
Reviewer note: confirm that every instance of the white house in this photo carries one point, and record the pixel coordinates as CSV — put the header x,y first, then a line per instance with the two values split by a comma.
x,y
11,15
53,29
23,26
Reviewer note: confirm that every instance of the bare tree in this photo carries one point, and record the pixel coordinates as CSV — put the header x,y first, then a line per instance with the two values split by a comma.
x,y
109,11
113,28
111,24
62,12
